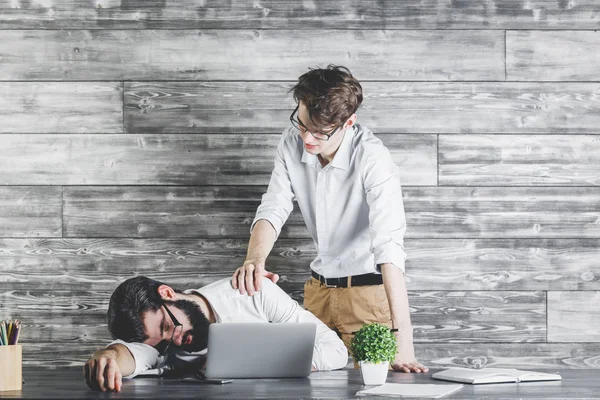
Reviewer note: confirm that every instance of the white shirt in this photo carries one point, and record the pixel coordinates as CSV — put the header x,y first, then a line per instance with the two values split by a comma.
x,y
352,207
271,304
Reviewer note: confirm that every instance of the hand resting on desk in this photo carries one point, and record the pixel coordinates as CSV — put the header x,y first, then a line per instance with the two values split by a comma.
x,y
104,371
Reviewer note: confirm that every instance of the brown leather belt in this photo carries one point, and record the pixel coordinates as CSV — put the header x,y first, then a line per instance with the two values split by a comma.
x,y
355,280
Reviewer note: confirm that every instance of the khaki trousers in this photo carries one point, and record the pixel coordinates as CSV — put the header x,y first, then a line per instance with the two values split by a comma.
x,y
346,310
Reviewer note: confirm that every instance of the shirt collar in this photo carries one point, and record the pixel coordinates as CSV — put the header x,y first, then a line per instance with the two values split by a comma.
x,y
209,300
342,156
308,158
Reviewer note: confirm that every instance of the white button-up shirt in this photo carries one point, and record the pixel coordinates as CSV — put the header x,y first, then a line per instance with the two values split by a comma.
x,y
352,207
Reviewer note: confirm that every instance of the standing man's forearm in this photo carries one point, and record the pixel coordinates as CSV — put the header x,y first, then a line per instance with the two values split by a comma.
x,y
261,241
395,289
247,278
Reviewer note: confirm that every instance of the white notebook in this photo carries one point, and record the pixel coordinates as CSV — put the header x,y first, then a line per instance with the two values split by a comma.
x,y
493,375
402,390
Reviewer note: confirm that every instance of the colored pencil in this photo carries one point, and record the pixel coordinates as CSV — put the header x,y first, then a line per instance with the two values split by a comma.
x,y
13,330
16,338
3,329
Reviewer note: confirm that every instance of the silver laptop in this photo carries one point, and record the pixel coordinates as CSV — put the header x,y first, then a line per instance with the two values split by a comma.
x,y
260,350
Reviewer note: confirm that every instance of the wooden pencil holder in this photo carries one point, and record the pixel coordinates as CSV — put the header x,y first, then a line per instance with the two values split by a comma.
x,y
11,368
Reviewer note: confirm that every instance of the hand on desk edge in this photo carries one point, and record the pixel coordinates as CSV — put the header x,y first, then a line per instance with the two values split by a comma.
x,y
405,357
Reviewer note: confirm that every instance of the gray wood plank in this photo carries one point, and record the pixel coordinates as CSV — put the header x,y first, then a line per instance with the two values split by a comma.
x,y
249,54
502,264
433,264
499,212
125,211
416,155
30,211
513,355
60,107
286,14
169,159
80,316
388,107
573,316
478,317
553,55
484,160
58,316
431,212
95,264
204,107
58,332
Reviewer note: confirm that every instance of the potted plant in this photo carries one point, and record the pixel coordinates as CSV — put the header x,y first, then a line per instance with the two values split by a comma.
x,y
374,347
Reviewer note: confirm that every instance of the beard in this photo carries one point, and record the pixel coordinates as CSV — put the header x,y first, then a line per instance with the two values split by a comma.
x,y
199,324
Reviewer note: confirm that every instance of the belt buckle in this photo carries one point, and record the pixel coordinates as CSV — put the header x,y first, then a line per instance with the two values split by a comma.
x,y
328,285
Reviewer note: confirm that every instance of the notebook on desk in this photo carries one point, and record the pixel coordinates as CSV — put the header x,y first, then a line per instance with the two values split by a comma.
x,y
493,375
401,390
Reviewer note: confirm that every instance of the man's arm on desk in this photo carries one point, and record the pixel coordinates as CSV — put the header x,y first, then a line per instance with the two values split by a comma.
x,y
105,369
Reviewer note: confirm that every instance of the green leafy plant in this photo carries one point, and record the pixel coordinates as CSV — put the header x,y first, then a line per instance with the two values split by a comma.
x,y
374,343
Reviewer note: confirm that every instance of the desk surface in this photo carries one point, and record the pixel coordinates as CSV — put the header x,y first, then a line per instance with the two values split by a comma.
x,y
341,384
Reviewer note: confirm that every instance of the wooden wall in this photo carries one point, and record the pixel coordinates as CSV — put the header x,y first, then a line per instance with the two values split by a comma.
x,y
137,138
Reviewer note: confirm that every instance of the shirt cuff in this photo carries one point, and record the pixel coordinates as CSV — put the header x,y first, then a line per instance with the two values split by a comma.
x,y
330,355
139,352
390,254
272,218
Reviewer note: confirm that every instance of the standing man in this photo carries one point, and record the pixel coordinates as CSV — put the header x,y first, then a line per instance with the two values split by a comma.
x,y
348,190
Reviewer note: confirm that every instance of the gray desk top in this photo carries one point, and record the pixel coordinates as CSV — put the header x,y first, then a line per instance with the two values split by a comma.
x,y
341,384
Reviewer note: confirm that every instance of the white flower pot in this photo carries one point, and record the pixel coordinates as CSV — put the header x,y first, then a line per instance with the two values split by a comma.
x,y
374,374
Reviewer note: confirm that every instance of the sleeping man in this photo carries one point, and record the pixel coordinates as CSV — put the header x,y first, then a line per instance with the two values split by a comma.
x,y
158,329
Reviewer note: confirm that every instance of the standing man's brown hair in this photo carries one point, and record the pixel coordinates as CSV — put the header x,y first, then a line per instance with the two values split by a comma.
x,y
330,95
348,190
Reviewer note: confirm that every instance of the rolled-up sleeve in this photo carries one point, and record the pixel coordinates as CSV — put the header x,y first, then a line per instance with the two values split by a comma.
x,y
145,356
329,351
387,222
277,202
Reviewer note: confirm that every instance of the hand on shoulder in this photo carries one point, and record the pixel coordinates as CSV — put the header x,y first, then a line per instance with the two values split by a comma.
x,y
248,277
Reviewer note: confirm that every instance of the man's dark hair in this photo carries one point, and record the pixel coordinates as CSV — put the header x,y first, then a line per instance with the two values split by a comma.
x,y
130,300
331,95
